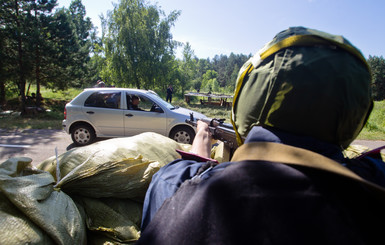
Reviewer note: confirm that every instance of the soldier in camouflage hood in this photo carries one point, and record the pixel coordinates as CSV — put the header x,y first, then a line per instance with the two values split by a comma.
x,y
298,103
305,82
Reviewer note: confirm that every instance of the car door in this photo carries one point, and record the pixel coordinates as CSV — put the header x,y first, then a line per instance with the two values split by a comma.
x,y
142,117
103,110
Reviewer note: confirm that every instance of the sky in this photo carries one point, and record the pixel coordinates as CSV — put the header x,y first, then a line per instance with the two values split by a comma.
x,y
214,27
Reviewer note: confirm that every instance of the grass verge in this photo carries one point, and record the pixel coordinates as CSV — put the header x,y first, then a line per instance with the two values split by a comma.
x,y
375,127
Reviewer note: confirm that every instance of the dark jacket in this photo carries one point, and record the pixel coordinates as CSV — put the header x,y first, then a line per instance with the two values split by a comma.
x,y
169,91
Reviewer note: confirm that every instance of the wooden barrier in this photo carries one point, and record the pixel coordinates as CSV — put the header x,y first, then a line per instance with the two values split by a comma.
x,y
210,99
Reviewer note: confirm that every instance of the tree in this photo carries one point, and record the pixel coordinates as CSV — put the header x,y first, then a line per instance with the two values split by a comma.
x,y
5,52
138,45
37,45
85,35
15,20
67,38
225,67
40,18
60,45
209,80
187,67
377,65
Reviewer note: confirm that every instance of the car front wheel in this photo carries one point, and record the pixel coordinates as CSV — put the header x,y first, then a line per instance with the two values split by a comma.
x,y
83,134
183,135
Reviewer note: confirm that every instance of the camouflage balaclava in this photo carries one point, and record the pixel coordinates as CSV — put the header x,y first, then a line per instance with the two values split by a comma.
x,y
305,82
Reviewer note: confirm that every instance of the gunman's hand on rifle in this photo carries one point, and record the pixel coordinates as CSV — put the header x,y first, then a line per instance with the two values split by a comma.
x,y
202,141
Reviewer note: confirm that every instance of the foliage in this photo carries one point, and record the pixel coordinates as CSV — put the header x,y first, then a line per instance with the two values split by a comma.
x,y
228,67
138,45
84,37
42,47
19,21
377,65
209,81
217,75
186,68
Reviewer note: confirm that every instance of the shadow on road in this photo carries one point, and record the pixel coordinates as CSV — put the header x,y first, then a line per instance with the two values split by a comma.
x,y
38,144
28,136
71,146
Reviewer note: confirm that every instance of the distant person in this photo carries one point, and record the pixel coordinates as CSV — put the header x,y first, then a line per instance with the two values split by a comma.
x,y
169,93
100,84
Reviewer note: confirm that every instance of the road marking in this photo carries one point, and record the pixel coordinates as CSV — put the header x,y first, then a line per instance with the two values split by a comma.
x,y
15,146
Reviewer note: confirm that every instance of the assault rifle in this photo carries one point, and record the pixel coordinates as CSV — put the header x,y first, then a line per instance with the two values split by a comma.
x,y
219,130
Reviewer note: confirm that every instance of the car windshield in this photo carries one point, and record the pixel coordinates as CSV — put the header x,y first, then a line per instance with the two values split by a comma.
x,y
162,102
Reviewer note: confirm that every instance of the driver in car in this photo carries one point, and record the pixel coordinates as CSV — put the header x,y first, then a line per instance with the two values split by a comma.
x,y
134,105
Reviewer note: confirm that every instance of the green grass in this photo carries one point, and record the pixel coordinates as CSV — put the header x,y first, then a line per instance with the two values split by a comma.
x,y
48,120
55,101
62,95
375,128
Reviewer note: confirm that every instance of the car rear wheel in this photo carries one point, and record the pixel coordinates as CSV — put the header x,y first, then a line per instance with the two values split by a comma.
x,y
183,135
83,134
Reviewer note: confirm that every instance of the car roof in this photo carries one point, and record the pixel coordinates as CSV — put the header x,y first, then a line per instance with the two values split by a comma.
x,y
122,89
115,88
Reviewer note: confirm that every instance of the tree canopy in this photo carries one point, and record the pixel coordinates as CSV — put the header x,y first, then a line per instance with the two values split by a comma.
x,y
138,45
377,65
59,48
42,47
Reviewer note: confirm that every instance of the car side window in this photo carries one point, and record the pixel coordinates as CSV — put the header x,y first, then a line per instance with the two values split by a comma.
x,y
104,100
138,102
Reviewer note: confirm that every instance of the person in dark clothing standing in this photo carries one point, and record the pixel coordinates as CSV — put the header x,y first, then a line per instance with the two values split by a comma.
x,y
298,103
169,93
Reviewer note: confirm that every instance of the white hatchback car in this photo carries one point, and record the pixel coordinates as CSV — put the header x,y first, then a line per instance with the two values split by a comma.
x,y
111,112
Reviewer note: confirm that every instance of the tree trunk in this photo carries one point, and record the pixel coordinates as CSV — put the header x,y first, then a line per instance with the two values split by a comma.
x,y
37,73
22,82
2,94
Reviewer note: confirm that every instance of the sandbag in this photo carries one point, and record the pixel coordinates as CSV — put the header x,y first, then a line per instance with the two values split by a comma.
x,y
358,151
112,219
121,167
32,211
12,221
149,145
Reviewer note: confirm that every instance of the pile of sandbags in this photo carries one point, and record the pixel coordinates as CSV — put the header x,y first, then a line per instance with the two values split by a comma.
x,y
355,150
32,211
93,196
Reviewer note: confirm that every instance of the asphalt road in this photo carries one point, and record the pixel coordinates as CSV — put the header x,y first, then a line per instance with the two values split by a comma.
x,y
40,144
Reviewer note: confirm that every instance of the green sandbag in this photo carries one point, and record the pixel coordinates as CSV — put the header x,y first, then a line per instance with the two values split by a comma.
x,y
114,219
355,150
32,193
12,221
121,167
99,239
